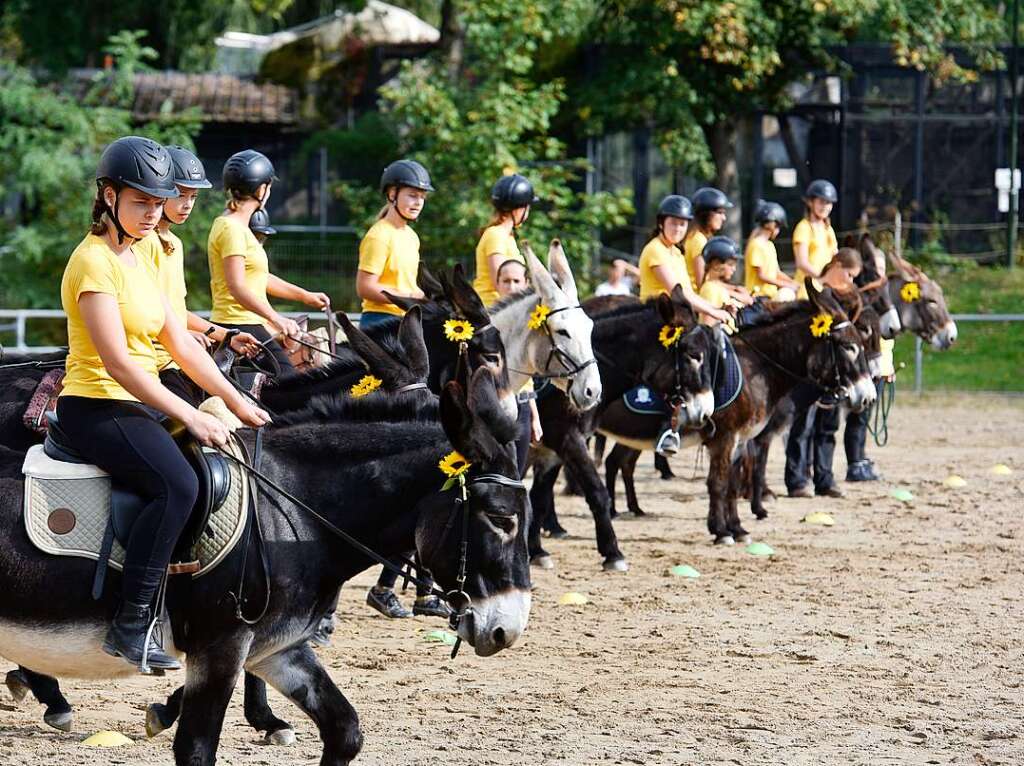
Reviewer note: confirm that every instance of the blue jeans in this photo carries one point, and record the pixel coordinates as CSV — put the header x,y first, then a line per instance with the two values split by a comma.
x,y
372,318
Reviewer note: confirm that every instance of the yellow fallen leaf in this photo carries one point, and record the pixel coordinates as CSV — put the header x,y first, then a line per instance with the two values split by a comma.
x,y
819,517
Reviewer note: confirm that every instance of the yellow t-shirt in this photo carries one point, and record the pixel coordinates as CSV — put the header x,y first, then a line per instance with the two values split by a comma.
x,y
493,240
394,256
716,293
821,246
93,267
230,238
693,247
657,253
761,254
170,277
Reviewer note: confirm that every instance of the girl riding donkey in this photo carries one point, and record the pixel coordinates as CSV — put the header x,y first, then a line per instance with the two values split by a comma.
x,y
113,400
389,258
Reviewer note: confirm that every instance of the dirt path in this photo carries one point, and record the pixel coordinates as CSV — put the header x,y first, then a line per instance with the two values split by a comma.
x,y
893,637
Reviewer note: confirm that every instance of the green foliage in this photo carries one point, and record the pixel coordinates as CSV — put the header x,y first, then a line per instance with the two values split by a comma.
x,y
489,118
49,146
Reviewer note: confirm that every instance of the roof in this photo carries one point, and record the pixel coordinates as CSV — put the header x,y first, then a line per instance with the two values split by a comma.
x,y
221,98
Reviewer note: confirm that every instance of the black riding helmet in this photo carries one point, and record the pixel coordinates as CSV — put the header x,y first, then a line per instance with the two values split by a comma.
x,y
259,223
512,192
246,171
188,170
677,206
822,189
770,212
405,173
709,198
721,249
140,163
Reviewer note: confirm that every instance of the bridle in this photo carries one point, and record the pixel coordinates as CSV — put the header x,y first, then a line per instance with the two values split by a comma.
x,y
572,367
460,602
833,386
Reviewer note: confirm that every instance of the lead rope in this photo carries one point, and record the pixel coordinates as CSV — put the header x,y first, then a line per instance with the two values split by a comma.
x,y
878,422
238,596
460,578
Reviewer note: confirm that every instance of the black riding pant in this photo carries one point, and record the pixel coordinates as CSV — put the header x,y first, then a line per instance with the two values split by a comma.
x,y
263,336
812,441
126,441
523,438
388,578
855,436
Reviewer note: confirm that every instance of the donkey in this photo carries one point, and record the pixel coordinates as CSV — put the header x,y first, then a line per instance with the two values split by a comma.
x,y
774,357
922,311
374,476
629,353
400,361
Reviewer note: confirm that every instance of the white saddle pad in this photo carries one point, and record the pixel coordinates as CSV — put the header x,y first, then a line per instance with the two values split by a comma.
x,y
67,506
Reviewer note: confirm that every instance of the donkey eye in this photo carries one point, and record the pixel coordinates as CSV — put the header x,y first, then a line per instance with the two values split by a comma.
x,y
494,359
507,523
564,333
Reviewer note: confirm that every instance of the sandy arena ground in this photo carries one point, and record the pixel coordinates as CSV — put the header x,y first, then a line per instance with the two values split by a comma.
x,y
894,637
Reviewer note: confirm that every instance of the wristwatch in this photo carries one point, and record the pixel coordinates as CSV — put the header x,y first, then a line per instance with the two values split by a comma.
x,y
210,330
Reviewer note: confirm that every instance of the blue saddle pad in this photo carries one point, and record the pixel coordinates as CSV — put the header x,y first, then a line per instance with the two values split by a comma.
x,y
728,378
644,401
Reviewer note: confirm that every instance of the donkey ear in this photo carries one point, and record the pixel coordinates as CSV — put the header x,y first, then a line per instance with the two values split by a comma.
x,y
560,270
405,303
376,358
456,419
666,310
466,298
428,283
813,293
485,405
410,335
684,313
849,241
550,293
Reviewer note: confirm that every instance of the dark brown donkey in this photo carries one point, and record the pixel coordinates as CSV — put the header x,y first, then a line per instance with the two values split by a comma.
x,y
775,356
628,352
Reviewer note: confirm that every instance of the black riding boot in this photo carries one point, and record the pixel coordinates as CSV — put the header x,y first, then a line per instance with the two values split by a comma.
x,y
128,636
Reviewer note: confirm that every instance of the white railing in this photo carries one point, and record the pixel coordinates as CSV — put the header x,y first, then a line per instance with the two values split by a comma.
x,y
16,320
919,344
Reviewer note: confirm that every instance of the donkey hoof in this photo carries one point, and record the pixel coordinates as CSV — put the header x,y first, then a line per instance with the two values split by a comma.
x,y
17,685
283,737
542,562
615,565
61,721
154,722
725,540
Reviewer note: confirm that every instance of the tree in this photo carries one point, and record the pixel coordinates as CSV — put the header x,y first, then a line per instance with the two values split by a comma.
x,y
50,142
693,71
474,110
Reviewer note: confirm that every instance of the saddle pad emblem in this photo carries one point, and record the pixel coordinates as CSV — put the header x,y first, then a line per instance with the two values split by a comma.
x,y
67,506
643,401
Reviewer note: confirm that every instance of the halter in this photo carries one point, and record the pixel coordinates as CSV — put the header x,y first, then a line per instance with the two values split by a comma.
x,y
572,367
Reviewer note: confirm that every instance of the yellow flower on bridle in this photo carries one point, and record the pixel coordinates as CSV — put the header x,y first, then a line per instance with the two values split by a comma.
x,y
821,325
910,292
454,464
366,385
539,317
669,336
457,330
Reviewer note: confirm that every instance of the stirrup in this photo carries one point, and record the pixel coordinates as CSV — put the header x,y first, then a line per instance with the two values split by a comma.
x,y
668,443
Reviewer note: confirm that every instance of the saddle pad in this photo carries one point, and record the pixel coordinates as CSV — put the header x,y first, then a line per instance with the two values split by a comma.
x,y
643,401
67,506
728,377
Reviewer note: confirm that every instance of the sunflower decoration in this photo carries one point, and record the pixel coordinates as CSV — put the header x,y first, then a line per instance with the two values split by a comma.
x,y
454,466
910,292
821,325
366,385
669,336
458,330
539,317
